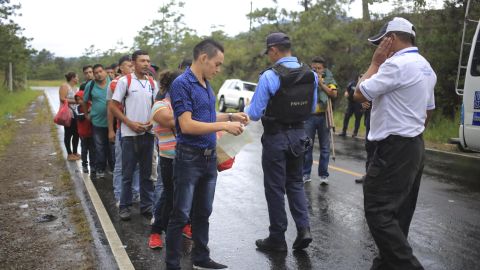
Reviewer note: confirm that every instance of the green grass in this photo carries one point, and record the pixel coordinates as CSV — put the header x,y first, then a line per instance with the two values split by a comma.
x,y
12,104
439,130
338,120
54,83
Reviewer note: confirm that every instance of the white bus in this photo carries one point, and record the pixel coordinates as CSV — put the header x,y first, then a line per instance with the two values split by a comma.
x,y
469,130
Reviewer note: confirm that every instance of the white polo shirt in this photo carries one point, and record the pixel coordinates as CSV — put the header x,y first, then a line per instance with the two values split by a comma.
x,y
401,92
139,101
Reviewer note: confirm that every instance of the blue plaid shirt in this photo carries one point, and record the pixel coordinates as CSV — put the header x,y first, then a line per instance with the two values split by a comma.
x,y
188,95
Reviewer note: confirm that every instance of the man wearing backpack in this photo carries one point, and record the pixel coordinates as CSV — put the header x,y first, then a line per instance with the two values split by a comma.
x,y
96,92
137,92
126,67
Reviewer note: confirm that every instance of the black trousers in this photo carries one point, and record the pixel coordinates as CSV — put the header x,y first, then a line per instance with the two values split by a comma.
x,y
71,135
352,109
390,195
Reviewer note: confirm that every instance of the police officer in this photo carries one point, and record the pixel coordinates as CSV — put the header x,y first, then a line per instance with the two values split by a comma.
x,y
284,100
400,84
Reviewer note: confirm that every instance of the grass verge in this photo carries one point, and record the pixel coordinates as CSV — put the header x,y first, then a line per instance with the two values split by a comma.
x,y
54,83
12,105
65,184
439,130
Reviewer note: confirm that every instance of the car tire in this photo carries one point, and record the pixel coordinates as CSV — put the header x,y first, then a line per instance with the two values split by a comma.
x,y
241,105
221,104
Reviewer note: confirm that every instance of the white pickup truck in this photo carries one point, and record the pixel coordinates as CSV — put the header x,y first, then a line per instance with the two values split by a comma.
x,y
235,94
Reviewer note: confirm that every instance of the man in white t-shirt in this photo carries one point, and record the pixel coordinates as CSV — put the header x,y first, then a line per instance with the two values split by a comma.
x,y
136,92
400,83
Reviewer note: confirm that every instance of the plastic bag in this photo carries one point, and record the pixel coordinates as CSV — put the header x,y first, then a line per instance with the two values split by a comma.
x,y
228,146
64,115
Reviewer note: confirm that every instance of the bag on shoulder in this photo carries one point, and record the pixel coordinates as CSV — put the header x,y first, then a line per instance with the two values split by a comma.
x,y
64,115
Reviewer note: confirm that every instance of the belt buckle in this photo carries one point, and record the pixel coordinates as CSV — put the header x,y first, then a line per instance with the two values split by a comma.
x,y
207,152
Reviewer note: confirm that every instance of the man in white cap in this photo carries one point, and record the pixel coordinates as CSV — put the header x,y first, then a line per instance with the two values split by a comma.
x,y
400,83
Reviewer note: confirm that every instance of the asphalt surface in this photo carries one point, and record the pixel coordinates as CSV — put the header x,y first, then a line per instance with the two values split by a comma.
x,y
444,234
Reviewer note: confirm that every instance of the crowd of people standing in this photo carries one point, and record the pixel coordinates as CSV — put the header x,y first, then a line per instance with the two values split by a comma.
x,y
145,130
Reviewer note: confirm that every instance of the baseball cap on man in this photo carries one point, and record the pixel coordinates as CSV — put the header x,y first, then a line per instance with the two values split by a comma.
x,y
397,24
276,38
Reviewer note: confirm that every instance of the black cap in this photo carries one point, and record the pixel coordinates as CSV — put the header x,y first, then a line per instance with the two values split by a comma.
x,y
276,38
123,59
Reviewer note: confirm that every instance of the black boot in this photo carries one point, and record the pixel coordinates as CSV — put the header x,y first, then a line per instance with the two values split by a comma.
x,y
269,244
304,238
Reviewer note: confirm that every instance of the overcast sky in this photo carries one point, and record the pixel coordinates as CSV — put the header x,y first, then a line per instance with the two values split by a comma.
x,y
67,27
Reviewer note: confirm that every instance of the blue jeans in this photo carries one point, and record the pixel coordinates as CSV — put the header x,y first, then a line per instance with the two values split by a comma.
x,y
195,178
158,185
282,162
137,149
102,151
317,124
117,171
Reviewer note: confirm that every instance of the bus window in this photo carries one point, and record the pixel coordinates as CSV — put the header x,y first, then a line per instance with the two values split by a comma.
x,y
475,68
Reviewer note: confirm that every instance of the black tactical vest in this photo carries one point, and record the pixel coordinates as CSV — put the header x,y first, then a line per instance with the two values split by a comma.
x,y
292,103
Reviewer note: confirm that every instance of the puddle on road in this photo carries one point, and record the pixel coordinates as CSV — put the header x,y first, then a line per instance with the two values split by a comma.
x,y
45,218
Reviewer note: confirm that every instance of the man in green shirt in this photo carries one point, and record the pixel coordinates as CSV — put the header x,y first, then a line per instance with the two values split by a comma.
x,y
96,93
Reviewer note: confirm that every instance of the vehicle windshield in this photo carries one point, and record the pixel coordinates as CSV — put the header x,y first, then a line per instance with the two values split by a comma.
x,y
249,87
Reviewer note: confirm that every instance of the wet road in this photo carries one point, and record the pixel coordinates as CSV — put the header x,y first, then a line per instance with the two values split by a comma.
x,y
445,231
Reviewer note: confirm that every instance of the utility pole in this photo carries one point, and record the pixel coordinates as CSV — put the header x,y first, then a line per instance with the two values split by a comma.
x,y
10,77
251,10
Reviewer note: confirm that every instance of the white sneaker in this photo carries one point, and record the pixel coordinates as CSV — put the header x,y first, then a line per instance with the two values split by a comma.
x,y
306,178
323,181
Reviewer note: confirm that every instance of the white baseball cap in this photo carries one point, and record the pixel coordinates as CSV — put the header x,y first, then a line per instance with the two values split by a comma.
x,y
398,24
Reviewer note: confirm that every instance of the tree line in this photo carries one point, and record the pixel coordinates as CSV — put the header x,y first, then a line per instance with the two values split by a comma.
x,y
321,28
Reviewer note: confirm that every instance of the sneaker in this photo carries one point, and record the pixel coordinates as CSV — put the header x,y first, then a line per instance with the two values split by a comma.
x,y
85,169
187,231
124,214
360,180
71,157
147,212
155,241
77,155
136,198
323,181
100,174
343,134
306,178
117,204
269,244
354,135
210,264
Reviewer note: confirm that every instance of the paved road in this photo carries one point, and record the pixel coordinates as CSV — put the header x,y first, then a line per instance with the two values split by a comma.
x,y
445,231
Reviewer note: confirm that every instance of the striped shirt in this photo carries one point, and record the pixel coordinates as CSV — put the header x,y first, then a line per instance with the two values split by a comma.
x,y
166,136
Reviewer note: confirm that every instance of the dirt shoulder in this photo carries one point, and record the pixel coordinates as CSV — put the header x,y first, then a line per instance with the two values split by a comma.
x,y
35,183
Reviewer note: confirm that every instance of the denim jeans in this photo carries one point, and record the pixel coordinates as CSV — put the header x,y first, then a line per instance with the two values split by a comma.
x,y
282,162
117,171
100,137
194,186
317,124
164,204
88,153
137,149
159,183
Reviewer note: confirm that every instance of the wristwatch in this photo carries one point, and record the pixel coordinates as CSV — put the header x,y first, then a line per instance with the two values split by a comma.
x,y
230,117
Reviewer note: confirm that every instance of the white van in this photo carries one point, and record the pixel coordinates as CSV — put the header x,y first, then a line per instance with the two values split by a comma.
x,y
235,94
469,131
